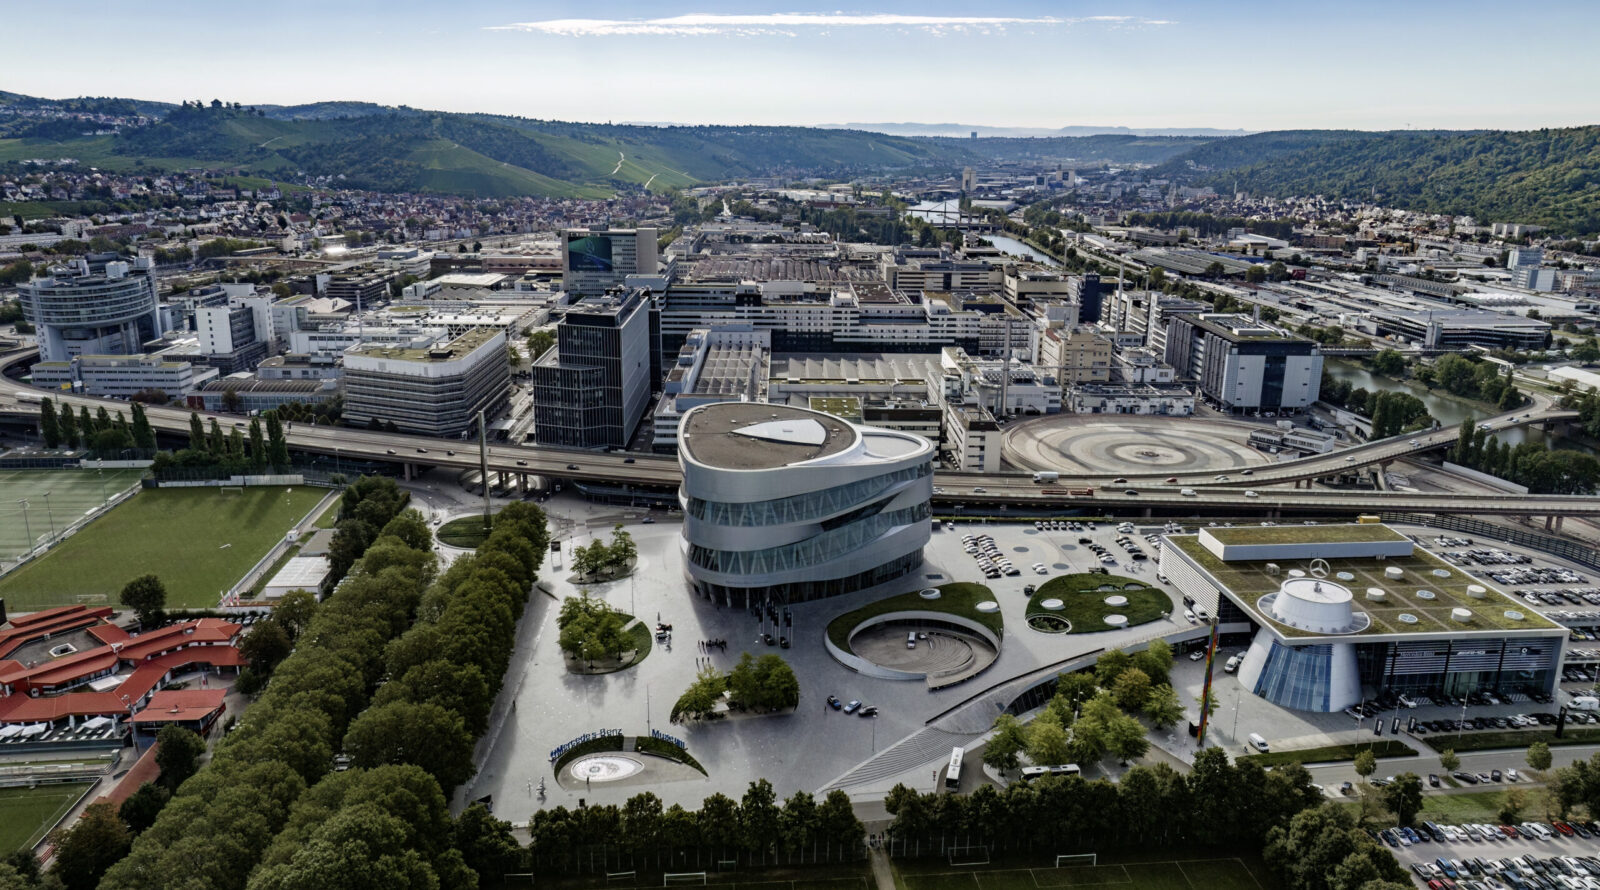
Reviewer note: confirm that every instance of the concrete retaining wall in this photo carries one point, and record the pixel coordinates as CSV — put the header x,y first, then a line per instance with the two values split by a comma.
x,y
862,666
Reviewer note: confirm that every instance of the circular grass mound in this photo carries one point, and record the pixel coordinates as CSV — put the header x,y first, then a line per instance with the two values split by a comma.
x,y
466,532
1084,597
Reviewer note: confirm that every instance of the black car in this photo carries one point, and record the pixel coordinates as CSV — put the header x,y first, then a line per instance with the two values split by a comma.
x,y
1433,780
627,460
868,711
1464,777
834,703
522,463
422,451
572,466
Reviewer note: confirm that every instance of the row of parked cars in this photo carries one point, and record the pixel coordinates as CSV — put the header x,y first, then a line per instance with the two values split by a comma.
x,y
1487,556
1526,576
991,561
1565,596
1525,872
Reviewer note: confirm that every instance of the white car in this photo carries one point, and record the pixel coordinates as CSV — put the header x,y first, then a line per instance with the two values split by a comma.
x,y
1250,494
1189,614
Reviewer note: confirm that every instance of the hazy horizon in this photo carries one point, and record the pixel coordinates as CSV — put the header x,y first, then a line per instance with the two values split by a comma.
x,y
1029,64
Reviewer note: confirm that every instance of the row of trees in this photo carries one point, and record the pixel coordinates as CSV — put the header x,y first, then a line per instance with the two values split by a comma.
x,y
1471,379
366,508
1544,470
1391,413
642,832
602,558
215,453
763,685
269,812
101,433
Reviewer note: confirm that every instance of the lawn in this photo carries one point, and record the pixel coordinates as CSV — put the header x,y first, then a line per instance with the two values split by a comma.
x,y
1511,738
72,493
1084,601
1189,874
198,540
956,598
1331,753
27,813
466,532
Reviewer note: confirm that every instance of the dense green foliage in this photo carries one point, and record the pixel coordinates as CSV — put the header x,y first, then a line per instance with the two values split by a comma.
x,y
268,811
1545,177
1544,470
1391,413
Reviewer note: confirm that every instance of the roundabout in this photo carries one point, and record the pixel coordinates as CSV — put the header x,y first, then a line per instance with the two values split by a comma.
x,y
1121,444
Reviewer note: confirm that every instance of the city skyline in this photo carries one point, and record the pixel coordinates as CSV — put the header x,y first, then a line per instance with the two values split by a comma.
x,y
1137,63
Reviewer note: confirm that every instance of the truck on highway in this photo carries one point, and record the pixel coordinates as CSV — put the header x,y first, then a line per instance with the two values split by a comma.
x,y
25,396
1046,477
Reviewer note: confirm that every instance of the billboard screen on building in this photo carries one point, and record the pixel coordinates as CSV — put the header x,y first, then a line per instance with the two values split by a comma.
x,y
589,253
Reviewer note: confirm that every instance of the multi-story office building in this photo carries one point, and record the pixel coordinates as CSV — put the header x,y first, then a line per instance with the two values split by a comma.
x,y
785,505
1461,329
99,305
1076,354
971,438
362,290
228,338
592,389
594,260
1336,612
433,388
123,376
1086,291
1245,367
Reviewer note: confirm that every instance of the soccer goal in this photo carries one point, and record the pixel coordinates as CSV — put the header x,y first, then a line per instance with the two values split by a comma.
x,y
230,489
614,877
968,855
683,877
1066,860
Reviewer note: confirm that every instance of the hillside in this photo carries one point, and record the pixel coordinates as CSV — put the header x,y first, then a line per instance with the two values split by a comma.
x,y
363,145
1546,177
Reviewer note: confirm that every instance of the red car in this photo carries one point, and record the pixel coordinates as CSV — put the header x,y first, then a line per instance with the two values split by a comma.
x,y
1510,831
1563,827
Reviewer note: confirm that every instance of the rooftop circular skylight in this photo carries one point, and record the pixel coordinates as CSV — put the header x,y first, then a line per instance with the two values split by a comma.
x,y
1406,618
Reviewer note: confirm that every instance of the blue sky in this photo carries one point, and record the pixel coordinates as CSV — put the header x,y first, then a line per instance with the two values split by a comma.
x,y
1127,62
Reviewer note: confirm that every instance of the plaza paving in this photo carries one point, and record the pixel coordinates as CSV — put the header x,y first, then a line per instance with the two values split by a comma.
x,y
805,750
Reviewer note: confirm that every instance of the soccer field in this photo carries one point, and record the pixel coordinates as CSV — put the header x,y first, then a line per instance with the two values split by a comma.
x,y
72,494
1187,874
198,540
27,813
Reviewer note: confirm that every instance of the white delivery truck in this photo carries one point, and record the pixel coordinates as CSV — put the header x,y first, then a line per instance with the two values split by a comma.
x,y
1046,476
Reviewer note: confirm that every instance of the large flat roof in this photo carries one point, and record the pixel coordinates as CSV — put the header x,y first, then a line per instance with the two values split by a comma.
x,y
774,435
1250,580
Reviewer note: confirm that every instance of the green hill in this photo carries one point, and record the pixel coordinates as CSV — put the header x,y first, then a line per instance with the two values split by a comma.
x,y
1545,177
362,145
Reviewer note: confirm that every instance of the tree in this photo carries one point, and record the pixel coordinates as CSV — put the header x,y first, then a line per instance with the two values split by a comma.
x,y
763,684
277,444
836,819
1048,743
798,821
486,844
265,646
1511,806
1538,756
68,424
231,402
540,342
1403,797
48,429
1321,849
1366,763
1449,760
1131,689
701,698
590,628
1005,744
424,734
147,597
1155,661
1163,707
1109,666
197,433
1255,274
144,437
84,852
758,817
178,753
140,809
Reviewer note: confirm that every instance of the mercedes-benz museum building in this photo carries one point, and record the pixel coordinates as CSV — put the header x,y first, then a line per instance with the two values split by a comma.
x,y
785,505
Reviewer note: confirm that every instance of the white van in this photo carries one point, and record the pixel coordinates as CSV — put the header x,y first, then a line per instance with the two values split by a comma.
x,y
1257,742
1188,493
1584,703
1232,665
911,640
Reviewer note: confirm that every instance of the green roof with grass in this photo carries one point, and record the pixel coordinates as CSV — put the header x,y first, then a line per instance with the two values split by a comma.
x,y
1250,580
1296,534
959,598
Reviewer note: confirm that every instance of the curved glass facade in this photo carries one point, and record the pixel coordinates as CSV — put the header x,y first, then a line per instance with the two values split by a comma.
x,y
1297,677
803,507
814,551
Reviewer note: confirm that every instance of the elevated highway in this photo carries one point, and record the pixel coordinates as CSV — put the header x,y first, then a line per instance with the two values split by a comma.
x,y
658,474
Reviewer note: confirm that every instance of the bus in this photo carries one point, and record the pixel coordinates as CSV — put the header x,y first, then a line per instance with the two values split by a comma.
x,y
952,774
1029,773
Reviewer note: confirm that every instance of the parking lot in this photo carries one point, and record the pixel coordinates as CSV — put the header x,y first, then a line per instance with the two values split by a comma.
x,y
1490,857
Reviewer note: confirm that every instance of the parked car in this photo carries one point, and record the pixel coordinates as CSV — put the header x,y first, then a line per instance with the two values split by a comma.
x,y
852,706
834,703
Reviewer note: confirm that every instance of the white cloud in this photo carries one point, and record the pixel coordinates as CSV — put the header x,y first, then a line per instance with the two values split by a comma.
x,y
694,24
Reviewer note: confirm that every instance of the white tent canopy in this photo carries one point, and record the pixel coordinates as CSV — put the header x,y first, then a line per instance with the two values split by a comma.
x,y
10,731
29,732
97,722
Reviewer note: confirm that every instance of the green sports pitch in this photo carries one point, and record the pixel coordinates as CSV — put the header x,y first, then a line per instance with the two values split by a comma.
x,y
1187,874
27,813
199,541
71,494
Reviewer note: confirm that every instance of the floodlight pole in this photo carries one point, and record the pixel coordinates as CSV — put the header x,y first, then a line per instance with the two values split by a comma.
x,y
50,514
26,527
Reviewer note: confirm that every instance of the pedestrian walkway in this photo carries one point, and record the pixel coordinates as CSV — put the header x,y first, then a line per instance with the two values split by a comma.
x,y
882,870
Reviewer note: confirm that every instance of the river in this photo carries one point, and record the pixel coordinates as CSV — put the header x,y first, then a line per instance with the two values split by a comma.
x,y
1449,410
1007,244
